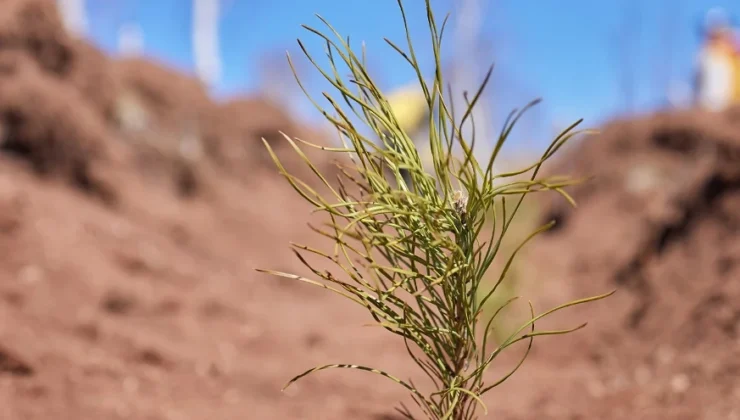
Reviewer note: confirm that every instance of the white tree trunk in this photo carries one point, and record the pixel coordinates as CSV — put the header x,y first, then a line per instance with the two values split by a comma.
x,y
74,16
206,51
130,39
468,73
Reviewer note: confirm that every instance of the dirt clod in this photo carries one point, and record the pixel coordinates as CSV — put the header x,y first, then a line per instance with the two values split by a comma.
x,y
13,365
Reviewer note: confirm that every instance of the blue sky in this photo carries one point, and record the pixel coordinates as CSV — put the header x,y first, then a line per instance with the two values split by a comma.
x,y
572,53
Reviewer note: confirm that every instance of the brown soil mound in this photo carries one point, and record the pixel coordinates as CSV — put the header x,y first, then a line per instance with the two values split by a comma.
x,y
161,113
94,75
38,126
241,124
169,113
659,222
152,308
46,114
34,26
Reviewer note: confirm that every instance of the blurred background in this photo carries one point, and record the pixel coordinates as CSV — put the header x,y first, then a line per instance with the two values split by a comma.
x,y
137,200
586,60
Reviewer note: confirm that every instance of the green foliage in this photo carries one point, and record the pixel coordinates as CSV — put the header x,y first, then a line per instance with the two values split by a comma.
x,y
517,276
414,254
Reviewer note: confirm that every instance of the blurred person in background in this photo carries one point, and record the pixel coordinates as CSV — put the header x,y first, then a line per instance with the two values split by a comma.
x,y
718,65
736,51
411,109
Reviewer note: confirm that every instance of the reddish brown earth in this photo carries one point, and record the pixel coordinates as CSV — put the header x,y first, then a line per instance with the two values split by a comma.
x,y
134,210
660,223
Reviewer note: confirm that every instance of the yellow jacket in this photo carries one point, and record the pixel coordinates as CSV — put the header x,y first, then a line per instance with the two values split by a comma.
x,y
736,78
411,110
410,107
718,74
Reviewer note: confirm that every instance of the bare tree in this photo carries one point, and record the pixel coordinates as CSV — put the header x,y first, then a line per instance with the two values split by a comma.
x,y
121,15
75,17
130,39
206,48
468,69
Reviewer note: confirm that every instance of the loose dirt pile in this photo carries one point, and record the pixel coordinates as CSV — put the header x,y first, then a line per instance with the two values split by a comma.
x,y
166,120
129,292
659,222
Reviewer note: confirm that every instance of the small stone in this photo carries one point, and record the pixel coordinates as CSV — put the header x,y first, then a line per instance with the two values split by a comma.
x,y
642,179
680,383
